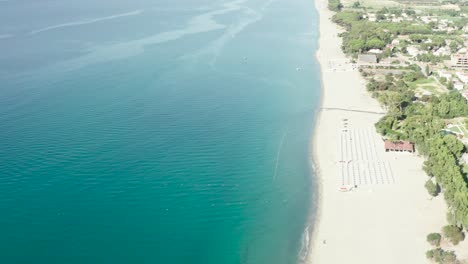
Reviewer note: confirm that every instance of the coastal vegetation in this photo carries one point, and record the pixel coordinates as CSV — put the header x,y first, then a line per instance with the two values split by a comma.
x,y
335,5
432,188
434,239
454,234
441,256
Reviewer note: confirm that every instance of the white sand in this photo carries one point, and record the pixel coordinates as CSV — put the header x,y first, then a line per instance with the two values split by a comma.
x,y
385,221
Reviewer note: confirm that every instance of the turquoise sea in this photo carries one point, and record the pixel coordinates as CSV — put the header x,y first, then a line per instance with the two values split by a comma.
x,y
163,131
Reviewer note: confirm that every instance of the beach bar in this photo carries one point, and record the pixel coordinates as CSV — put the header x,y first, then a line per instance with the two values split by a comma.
x,y
400,146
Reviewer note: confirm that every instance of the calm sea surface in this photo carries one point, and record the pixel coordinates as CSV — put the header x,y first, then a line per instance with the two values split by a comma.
x,y
156,131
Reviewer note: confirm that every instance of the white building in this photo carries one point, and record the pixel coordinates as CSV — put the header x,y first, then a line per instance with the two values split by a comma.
x,y
458,85
459,61
414,51
446,75
443,51
375,51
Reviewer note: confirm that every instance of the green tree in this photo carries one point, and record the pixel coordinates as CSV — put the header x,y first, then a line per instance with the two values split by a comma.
x,y
453,46
450,85
454,145
453,233
375,43
427,70
441,256
434,239
432,188
356,4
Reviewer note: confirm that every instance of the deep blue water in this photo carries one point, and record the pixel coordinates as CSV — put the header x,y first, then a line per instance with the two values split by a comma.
x,y
156,131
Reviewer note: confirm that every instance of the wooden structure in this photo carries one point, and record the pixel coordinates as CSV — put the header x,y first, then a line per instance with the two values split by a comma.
x,y
399,146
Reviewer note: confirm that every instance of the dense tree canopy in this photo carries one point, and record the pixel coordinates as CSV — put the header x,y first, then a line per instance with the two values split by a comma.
x,y
363,35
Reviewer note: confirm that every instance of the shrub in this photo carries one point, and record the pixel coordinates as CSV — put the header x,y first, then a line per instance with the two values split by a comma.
x,y
453,233
434,239
432,188
441,256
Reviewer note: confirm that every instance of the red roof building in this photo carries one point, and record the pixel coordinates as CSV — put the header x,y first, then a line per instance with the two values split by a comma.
x,y
400,146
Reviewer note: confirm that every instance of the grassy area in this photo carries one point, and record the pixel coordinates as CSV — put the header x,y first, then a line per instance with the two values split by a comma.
x,y
429,85
458,126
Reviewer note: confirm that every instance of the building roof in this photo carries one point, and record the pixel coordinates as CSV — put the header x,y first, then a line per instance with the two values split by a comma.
x,y
367,58
401,145
375,51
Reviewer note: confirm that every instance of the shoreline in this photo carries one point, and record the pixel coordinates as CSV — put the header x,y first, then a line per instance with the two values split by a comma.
x,y
314,151
346,226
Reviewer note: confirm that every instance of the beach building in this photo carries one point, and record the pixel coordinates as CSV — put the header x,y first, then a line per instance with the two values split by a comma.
x,y
459,61
395,42
375,51
367,58
426,19
396,19
399,146
414,51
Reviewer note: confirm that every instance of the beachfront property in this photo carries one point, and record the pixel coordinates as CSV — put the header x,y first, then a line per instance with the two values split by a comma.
x,y
459,61
399,146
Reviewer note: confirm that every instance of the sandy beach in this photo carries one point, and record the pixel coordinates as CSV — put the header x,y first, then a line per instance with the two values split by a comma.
x,y
387,217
